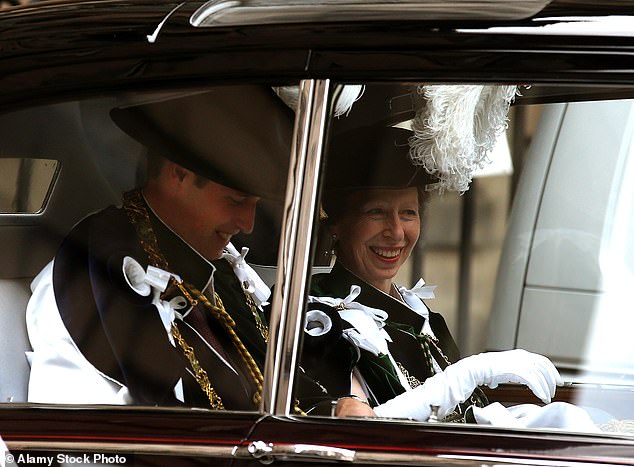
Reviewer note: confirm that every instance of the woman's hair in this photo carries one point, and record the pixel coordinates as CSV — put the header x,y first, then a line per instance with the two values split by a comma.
x,y
336,203
365,158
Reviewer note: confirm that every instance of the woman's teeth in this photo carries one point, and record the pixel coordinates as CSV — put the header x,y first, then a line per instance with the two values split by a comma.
x,y
391,253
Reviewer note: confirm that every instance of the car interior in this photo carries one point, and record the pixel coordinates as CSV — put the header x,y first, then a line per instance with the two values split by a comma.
x,y
75,161
87,177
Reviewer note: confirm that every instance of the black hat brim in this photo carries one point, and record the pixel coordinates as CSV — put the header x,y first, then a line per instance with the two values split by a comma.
x,y
236,135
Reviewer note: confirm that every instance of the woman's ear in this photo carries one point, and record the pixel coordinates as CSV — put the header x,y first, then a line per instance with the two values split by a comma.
x,y
324,247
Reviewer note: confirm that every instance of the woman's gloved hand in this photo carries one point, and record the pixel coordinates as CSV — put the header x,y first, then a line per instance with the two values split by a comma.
x,y
515,366
456,383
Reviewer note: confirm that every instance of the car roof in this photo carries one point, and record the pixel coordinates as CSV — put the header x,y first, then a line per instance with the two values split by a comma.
x,y
51,49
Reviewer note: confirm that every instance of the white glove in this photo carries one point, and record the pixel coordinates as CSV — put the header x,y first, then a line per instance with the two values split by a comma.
x,y
456,383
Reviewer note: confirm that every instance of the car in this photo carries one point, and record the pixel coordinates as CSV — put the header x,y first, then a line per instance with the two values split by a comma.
x,y
569,242
577,241
66,65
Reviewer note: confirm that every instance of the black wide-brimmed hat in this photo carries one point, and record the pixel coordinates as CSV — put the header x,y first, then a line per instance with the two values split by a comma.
x,y
236,135
372,157
455,126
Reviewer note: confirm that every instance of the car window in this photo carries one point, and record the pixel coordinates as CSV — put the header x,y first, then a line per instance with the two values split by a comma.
x,y
472,238
133,228
27,184
525,246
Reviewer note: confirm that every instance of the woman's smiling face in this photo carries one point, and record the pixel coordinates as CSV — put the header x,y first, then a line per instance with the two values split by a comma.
x,y
376,233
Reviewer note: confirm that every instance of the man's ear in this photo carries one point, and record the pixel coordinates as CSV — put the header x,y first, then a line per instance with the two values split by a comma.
x,y
180,172
175,174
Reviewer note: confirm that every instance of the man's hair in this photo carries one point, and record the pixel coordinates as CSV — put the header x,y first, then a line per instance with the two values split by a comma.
x,y
153,165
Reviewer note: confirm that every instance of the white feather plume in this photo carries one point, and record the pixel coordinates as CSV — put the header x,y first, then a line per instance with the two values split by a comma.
x,y
289,95
457,129
350,93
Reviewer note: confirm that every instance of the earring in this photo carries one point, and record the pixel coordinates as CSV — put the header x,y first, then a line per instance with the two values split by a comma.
x,y
333,244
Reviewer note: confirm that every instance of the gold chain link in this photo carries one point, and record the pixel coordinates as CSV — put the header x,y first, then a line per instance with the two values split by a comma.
x,y
259,323
199,372
411,379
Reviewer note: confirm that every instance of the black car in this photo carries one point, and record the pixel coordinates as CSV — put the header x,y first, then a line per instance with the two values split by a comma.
x,y
64,67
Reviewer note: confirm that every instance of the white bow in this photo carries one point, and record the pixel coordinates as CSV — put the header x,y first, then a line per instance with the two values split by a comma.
x,y
413,298
423,291
142,282
367,323
420,289
317,323
249,279
154,280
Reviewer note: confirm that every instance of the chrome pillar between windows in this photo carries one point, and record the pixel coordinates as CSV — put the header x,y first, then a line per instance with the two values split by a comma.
x,y
293,262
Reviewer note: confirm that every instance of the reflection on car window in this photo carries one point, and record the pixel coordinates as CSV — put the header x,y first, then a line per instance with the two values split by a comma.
x,y
26,185
518,321
142,290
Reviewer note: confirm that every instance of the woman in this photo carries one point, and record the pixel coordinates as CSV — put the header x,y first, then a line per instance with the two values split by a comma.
x,y
376,341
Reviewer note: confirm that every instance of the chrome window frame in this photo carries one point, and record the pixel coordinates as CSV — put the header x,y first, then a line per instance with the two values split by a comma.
x,y
294,251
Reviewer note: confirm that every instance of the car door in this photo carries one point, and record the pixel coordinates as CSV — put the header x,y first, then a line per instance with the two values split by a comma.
x,y
292,439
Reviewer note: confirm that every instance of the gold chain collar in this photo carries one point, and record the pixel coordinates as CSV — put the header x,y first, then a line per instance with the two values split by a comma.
x,y
134,206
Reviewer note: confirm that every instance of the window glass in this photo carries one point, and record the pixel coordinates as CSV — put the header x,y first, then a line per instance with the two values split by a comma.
x,y
161,204
469,235
26,184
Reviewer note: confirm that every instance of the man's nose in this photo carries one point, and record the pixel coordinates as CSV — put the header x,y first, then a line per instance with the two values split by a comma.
x,y
245,217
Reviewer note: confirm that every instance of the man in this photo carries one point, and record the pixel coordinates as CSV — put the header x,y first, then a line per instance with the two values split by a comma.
x,y
149,303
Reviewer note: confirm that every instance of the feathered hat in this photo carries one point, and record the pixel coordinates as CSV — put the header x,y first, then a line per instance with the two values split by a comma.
x,y
454,127
372,157
456,130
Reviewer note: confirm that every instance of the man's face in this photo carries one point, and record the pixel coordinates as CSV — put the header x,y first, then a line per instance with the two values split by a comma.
x,y
211,214
377,232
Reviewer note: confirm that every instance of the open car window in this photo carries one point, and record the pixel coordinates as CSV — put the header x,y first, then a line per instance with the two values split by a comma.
x,y
459,223
101,273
